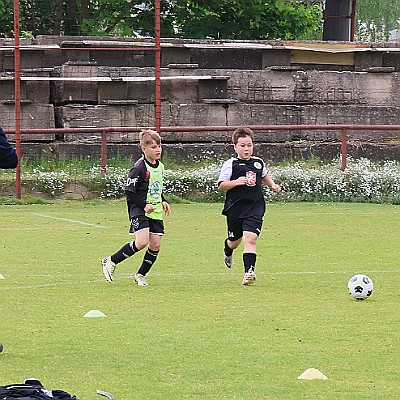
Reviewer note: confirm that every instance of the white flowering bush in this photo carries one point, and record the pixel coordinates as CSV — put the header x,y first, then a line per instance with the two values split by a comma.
x,y
194,183
109,185
362,181
51,183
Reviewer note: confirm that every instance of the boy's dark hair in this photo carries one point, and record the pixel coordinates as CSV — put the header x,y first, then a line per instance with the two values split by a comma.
x,y
147,136
242,132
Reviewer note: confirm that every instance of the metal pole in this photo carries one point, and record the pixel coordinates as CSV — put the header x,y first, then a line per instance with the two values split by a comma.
x,y
104,151
17,97
344,148
157,27
353,20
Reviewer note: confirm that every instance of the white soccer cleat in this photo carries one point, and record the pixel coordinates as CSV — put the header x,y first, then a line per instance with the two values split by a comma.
x,y
228,260
249,278
108,268
140,280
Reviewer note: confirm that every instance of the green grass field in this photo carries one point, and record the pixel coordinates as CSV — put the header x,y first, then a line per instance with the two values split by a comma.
x,y
195,331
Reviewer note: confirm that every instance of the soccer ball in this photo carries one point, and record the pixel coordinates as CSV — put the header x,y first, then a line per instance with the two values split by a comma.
x,y
360,286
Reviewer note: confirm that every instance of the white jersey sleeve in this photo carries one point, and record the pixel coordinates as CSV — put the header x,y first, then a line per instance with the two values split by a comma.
x,y
264,171
226,171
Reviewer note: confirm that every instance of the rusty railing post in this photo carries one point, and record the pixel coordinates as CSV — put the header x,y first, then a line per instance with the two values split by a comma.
x,y
104,151
17,98
157,35
344,148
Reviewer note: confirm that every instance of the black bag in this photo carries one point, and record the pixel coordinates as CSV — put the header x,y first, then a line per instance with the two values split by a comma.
x,y
32,389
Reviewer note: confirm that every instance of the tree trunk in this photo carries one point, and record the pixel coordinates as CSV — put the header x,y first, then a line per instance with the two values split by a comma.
x,y
58,16
72,26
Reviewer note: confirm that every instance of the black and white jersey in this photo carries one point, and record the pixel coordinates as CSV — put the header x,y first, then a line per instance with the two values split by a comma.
x,y
244,200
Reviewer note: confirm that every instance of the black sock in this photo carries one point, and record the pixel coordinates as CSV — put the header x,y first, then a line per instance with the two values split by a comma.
x,y
124,252
148,260
249,261
228,251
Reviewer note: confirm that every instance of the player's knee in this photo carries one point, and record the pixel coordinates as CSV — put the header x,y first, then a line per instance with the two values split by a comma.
x,y
141,243
250,238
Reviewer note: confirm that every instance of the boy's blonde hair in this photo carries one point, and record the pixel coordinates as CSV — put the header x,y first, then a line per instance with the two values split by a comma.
x,y
147,136
242,132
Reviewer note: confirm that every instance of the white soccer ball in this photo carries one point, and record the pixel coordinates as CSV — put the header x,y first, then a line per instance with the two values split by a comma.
x,y
360,286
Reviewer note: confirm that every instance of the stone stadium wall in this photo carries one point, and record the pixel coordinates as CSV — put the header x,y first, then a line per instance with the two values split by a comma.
x,y
73,82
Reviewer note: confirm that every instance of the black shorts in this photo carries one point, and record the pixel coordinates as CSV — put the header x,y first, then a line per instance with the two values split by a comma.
x,y
155,226
236,226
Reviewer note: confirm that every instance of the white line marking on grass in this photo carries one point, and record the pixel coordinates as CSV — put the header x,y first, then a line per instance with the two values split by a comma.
x,y
274,273
44,285
222,272
374,271
72,220
161,274
22,229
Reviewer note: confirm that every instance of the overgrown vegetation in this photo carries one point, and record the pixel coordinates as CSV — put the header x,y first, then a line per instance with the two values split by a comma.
x,y
376,19
312,180
233,19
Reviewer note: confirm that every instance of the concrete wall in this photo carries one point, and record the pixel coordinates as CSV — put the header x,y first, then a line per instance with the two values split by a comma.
x,y
66,82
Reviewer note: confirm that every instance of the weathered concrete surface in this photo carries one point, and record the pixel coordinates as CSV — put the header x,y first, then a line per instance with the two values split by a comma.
x,y
207,83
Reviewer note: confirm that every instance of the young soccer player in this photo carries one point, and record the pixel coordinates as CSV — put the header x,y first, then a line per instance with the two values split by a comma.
x,y
8,155
242,178
146,205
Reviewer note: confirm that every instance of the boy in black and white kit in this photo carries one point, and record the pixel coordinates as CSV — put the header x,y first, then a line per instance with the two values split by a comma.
x,y
146,206
242,178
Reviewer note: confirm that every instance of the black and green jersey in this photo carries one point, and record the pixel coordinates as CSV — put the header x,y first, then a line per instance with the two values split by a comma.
x,y
144,185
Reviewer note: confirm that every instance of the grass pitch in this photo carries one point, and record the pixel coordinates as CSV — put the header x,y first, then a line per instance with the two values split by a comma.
x,y
195,331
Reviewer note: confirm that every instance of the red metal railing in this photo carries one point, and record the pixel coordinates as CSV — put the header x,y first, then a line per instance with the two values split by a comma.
x,y
105,130
17,85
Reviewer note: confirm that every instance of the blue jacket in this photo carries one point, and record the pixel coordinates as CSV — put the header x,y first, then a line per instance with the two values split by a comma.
x,y
8,155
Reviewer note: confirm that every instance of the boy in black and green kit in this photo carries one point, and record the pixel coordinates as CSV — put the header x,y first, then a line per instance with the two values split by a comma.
x,y
146,206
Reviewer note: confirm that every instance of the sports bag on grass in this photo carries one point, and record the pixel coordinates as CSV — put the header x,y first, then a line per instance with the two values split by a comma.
x,y
32,389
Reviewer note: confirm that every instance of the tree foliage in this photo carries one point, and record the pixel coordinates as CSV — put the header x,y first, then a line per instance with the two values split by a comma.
x,y
224,19
243,19
219,19
376,18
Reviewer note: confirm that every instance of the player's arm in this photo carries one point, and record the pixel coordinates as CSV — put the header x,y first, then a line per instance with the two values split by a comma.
x,y
225,182
267,180
8,155
133,183
228,185
165,205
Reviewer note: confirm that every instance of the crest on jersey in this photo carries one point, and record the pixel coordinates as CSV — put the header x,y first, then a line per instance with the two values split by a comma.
x,y
155,190
251,178
257,165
